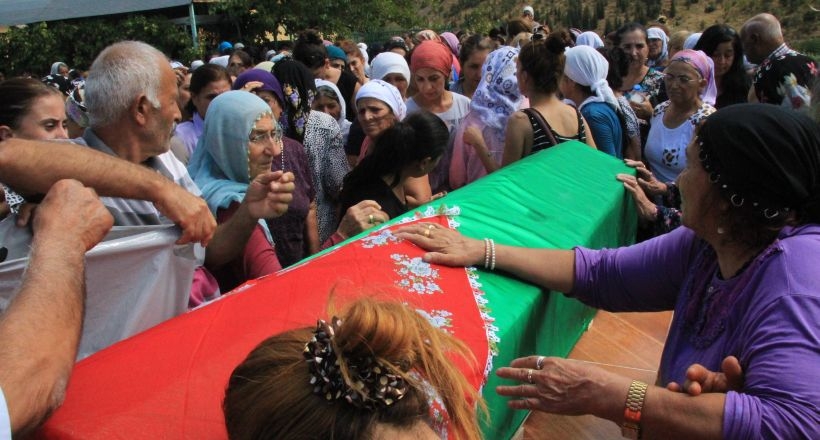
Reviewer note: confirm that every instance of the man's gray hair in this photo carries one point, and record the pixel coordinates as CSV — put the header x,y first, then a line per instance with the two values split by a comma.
x,y
119,74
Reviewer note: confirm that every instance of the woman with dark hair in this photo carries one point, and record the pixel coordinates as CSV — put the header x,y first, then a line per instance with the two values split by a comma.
x,y
722,44
320,135
408,149
207,82
380,363
30,109
740,274
642,85
548,121
618,65
472,55
310,50
239,62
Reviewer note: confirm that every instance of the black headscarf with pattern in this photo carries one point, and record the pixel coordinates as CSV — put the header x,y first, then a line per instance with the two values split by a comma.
x,y
764,158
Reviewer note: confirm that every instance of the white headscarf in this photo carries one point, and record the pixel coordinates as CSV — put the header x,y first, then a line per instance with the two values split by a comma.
x,y
385,92
692,40
589,38
386,63
587,67
344,124
655,33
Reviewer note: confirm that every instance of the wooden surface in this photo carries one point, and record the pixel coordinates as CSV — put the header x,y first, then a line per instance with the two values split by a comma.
x,y
626,343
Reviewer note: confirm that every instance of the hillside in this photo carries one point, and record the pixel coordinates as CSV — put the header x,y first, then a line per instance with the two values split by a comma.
x,y
798,17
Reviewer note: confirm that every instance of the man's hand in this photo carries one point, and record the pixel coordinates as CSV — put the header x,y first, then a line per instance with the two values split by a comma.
x,y
269,194
72,211
188,211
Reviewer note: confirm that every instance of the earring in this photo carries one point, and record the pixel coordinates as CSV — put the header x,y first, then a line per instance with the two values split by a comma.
x,y
720,230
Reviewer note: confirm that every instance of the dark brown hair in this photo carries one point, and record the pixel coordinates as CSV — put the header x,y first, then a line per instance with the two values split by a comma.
x,y
269,395
17,95
543,60
203,76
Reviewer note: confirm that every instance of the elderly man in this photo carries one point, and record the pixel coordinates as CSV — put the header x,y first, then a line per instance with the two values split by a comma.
x,y
40,329
784,76
131,95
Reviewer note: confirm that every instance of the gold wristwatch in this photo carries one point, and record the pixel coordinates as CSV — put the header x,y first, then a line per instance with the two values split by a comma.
x,y
631,428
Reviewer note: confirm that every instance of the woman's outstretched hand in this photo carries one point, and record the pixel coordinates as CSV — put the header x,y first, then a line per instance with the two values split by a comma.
x,y
444,245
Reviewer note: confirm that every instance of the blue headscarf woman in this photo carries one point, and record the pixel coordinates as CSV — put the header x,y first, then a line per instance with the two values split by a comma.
x,y
239,142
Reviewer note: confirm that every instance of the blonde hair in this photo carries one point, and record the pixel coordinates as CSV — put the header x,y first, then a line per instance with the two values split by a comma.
x,y
269,395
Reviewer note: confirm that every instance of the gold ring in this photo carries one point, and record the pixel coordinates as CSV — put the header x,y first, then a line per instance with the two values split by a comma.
x,y
529,375
370,219
427,233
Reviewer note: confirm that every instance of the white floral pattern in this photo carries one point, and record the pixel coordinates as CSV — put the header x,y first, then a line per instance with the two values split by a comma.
x,y
417,276
440,319
381,238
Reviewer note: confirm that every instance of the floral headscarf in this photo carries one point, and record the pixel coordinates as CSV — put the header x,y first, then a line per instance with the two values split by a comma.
x,y
299,87
497,95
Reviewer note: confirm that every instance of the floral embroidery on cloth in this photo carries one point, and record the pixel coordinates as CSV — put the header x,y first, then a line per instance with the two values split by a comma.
x,y
416,275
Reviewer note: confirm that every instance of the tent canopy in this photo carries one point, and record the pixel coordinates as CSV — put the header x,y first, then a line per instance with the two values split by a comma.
x,y
32,11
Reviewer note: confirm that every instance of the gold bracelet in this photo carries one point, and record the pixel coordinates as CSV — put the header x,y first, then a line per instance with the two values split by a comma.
x,y
631,428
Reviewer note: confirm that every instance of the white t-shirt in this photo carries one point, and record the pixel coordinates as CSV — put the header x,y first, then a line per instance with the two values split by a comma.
x,y
666,147
5,422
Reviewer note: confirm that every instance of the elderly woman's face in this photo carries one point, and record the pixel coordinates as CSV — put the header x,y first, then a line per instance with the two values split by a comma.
x,y
698,195
375,116
683,83
264,142
635,45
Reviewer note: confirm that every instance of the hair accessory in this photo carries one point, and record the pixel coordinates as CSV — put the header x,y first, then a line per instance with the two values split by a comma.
x,y
371,384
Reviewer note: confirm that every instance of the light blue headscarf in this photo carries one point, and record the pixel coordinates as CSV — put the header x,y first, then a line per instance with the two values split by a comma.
x,y
497,95
219,165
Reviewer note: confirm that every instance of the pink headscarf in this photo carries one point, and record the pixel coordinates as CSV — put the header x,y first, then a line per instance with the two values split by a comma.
x,y
705,66
432,54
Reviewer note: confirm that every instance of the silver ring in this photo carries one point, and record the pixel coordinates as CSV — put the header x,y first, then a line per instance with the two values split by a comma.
x,y
539,363
529,375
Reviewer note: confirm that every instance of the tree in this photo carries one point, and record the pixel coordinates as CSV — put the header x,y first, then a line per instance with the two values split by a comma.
x,y
33,48
257,20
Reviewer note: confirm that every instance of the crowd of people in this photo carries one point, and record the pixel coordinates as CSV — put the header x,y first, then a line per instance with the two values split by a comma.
x,y
265,158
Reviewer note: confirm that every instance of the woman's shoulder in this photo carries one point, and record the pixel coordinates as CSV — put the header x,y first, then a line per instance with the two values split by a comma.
x,y
702,112
660,109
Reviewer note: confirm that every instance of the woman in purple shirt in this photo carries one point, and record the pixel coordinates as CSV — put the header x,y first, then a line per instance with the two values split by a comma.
x,y
741,275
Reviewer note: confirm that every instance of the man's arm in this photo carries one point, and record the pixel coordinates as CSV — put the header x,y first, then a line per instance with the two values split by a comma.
x,y
33,166
40,329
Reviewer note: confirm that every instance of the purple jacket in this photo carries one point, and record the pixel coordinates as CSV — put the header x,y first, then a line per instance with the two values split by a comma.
x,y
768,316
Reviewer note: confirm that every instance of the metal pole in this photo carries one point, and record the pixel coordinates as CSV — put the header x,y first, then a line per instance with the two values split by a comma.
x,y
192,15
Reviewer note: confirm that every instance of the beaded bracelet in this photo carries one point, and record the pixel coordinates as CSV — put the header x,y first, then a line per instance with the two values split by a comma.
x,y
492,254
486,253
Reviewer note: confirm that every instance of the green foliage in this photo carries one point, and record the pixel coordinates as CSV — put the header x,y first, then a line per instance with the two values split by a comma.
x,y
259,20
35,47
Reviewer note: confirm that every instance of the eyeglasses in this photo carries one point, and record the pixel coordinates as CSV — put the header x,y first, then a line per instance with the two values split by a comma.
x,y
260,136
682,79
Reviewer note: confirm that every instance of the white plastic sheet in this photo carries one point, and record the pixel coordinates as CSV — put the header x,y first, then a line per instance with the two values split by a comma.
x,y
136,278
